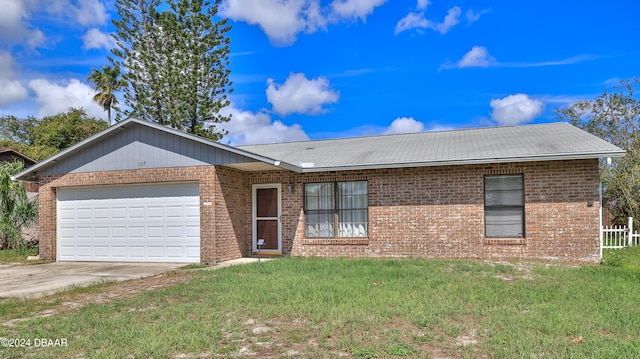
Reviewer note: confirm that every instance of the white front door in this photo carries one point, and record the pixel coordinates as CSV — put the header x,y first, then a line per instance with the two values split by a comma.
x,y
266,218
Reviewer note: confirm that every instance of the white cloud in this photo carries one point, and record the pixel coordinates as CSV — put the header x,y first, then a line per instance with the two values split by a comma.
x,y
515,109
247,128
422,4
404,125
478,56
96,39
413,20
11,90
355,9
473,16
90,12
449,21
417,20
13,26
55,98
83,12
283,20
300,95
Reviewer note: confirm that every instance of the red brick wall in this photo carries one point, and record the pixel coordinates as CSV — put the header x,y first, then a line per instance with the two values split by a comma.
x,y
233,214
438,212
433,212
222,231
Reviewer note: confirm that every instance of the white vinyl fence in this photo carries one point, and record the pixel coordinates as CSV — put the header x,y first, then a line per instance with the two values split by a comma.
x,y
619,236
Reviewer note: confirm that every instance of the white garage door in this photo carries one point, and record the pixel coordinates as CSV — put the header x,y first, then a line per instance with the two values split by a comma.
x,y
134,223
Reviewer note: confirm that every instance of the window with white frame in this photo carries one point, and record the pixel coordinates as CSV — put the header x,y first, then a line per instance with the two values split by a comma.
x,y
336,209
504,206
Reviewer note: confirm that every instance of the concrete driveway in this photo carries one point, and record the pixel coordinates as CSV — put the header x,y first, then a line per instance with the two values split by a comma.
x,y
41,279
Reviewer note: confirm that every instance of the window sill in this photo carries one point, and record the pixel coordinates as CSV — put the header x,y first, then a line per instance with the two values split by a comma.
x,y
505,241
336,241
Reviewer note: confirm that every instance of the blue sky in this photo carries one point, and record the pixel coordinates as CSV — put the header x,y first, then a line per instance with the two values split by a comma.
x,y
312,69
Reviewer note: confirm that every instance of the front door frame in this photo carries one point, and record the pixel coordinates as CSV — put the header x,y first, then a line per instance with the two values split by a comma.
x,y
254,218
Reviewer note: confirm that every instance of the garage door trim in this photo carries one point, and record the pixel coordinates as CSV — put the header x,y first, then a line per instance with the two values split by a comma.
x,y
152,222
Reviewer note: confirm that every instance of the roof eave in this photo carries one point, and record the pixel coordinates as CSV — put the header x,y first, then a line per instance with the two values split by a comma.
x,y
23,176
467,161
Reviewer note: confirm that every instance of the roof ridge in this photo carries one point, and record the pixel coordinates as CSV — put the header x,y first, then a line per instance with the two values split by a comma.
x,y
406,134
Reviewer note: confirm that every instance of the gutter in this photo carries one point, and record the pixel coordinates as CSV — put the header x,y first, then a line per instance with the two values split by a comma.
x,y
470,161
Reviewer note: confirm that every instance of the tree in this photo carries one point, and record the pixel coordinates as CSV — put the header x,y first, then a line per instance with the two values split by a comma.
x,y
65,129
175,63
42,138
17,129
106,82
16,209
615,116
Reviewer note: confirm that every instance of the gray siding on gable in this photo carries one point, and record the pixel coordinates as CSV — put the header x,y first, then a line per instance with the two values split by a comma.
x,y
137,147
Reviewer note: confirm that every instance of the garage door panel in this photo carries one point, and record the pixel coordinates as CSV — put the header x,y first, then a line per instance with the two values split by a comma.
x,y
155,252
100,232
119,213
118,233
83,214
83,232
155,232
83,251
192,211
119,252
101,251
155,212
175,252
101,214
193,231
136,232
67,251
193,252
67,214
155,223
175,211
136,212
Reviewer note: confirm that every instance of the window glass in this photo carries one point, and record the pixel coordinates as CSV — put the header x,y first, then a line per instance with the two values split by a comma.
x,y
336,209
504,206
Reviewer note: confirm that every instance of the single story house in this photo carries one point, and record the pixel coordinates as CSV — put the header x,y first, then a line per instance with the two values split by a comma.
x,y
142,192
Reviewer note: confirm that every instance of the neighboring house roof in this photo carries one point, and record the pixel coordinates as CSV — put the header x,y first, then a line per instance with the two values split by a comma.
x,y
9,154
555,141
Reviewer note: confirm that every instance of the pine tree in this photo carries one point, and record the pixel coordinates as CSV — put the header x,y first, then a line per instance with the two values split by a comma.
x,y
175,63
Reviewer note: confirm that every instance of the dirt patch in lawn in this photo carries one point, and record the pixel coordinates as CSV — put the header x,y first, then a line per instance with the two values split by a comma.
x,y
105,293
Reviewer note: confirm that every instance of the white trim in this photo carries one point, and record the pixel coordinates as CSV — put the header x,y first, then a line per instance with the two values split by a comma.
x,y
254,217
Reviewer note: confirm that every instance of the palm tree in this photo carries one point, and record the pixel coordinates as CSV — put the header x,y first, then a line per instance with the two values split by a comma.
x,y
106,82
16,209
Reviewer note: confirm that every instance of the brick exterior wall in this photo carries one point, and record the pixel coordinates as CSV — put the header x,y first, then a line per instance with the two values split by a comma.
x,y
222,215
431,212
438,212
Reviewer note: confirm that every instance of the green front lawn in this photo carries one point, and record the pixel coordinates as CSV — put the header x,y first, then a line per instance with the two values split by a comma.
x,y
325,308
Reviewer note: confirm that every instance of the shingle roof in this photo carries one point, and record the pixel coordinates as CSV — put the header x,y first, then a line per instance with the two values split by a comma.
x,y
481,145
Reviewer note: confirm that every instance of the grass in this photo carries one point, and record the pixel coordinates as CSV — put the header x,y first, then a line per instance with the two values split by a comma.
x,y
366,308
19,256
628,258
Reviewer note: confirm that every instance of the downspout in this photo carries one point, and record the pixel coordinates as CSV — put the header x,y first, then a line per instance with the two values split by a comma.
x,y
607,165
600,218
